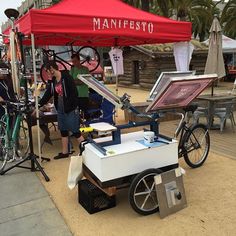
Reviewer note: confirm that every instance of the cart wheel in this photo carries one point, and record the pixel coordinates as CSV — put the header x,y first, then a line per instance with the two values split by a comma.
x,y
142,193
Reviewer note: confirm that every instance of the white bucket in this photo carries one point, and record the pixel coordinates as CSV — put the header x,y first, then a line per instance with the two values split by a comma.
x,y
148,137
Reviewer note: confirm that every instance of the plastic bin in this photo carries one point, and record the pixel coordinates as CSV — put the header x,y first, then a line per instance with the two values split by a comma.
x,y
94,199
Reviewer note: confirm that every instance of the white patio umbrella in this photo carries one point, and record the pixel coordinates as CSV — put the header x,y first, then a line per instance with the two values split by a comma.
x,y
215,60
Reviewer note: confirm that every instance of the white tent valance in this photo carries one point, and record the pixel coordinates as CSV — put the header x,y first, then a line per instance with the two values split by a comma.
x,y
228,44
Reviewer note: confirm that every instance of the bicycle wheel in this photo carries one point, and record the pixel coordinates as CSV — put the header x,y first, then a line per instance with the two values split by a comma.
x,y
89,57
45,75
196,145
3,147
142,193
22,143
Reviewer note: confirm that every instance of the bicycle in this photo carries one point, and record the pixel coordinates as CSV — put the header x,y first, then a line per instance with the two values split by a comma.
x,y
14,140
194,141
89,57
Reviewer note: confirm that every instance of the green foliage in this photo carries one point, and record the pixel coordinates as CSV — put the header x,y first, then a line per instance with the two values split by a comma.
x,y
228,19
199,12
142,4
55,1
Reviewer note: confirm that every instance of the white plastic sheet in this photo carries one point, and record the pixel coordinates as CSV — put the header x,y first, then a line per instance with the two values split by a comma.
x,y
75,172
183,54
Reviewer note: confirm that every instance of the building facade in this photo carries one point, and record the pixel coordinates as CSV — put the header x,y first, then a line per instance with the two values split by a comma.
x,y
142,67
27,5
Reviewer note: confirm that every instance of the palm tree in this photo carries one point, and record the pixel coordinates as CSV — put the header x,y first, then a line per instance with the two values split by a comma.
x,y
145,5
142,4
228,18
202,18
199,12
162,8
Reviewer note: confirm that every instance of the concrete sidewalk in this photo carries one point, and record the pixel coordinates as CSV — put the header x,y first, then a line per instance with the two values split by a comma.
x,y
26,208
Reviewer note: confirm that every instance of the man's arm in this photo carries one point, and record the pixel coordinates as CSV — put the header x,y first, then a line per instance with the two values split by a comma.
x,y
47,95
72,87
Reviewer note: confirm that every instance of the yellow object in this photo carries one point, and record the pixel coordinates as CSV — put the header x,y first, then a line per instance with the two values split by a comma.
x,y
39,86
86,129
111,152
36,92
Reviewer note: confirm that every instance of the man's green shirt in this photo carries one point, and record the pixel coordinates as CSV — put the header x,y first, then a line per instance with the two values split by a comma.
x,y
82,89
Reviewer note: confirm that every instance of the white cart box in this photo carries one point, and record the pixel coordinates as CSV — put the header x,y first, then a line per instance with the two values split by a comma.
x,y
132,156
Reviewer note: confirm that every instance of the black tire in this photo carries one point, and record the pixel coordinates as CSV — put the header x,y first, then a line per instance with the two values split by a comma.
x,y
22,144
86,58
43,73
196,145
3,148
142,193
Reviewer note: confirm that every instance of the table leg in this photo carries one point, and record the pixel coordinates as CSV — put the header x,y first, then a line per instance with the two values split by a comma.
x,y
210,114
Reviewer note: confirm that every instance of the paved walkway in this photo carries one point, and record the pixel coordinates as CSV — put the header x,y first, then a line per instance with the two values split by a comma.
x,y
26,208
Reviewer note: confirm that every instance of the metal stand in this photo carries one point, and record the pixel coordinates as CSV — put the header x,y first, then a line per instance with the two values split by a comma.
x,y
35,165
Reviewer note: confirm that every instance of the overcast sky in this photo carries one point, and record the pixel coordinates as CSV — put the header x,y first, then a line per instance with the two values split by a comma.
x,y
4,4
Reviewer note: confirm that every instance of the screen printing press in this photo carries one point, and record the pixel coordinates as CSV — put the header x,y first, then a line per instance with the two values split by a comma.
x,y
115,161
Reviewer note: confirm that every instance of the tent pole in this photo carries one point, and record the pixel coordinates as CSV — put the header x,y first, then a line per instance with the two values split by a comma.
x,y
36,96
188,52
116,80
234,59
117,109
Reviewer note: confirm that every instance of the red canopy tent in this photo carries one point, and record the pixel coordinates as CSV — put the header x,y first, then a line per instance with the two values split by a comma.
x,y
100,23
96,23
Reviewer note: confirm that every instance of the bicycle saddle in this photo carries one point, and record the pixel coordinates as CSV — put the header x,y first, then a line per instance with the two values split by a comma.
x,y
191,108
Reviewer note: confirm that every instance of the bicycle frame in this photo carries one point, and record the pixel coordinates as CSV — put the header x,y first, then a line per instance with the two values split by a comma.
x,y
16,128
56,57
12,132
181,129
85,58
89,57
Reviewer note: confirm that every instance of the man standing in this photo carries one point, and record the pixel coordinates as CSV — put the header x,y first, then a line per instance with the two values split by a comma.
x,y
63,90
83,91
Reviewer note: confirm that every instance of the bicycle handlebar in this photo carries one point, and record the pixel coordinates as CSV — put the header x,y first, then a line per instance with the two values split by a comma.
x,y
183,114
48,52
18,106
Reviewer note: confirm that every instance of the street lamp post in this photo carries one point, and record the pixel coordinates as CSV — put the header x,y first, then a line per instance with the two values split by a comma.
x,y
12,15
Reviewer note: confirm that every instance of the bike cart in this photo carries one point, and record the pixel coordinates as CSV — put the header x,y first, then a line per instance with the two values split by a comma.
x,y
123,160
